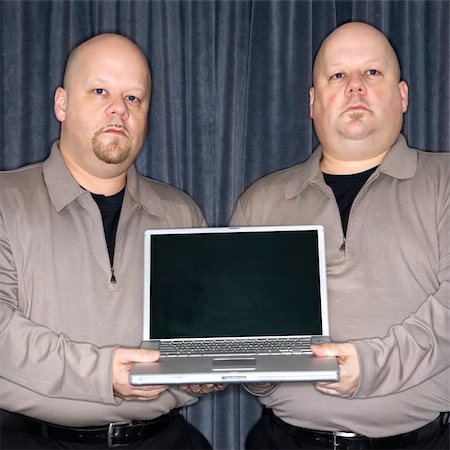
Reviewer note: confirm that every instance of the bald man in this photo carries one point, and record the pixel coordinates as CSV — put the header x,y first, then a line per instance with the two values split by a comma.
x,y
385,208
71,253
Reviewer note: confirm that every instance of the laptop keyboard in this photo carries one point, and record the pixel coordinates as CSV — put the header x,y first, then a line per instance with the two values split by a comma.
x,y
260,346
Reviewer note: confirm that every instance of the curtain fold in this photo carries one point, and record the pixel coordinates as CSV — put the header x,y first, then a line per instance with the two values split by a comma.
x,y
229,101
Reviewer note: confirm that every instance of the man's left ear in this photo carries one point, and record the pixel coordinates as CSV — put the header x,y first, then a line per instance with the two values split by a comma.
x,y
403,88
311,102
60,104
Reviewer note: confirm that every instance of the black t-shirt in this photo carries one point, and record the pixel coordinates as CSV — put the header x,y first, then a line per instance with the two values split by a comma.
x,y
346,188
110,208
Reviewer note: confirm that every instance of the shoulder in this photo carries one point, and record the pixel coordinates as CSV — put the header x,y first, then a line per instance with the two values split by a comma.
x,y
432,179
175,204
437,159
274,183
433,166
165,191
267,200
22,178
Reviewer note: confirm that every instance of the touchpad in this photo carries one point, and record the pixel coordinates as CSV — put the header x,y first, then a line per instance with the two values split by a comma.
x,y
234,364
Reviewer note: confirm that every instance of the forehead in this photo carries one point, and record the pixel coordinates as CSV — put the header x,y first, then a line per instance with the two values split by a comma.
x,y
108,63
347,48
355,46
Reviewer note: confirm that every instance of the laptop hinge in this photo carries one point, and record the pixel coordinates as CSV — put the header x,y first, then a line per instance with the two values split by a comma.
x,y
153,344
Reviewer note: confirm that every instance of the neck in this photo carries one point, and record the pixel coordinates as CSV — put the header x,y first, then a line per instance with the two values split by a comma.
x,y
95,184
104,187
335,166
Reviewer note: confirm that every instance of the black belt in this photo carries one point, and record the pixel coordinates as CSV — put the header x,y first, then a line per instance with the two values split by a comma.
x,y
351,441
114,434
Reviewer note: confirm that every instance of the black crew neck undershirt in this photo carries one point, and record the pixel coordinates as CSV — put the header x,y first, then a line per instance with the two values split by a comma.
x,y
110,207
345,189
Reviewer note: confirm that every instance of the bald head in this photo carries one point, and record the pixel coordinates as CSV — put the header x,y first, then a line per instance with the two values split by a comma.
x,y
111,44
357,100
103,109
356,32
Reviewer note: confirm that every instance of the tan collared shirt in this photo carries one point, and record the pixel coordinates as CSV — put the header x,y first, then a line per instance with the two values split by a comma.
x,y
388,285
60,315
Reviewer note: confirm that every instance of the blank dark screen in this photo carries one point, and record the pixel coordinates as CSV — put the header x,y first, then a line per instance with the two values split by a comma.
x,y
235,284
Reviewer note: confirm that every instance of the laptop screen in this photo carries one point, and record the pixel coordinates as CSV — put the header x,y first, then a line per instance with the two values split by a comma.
x,y
234,283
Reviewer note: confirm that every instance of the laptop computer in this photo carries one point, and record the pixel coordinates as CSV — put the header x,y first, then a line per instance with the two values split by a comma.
x,y
235,305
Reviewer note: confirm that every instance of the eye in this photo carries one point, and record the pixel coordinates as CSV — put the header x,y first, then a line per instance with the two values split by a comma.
x,y
99,91
373,72
133,99
337,76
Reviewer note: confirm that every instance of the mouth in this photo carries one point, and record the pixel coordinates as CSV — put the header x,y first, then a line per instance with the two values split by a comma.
x,y
115,130
356,108
356,112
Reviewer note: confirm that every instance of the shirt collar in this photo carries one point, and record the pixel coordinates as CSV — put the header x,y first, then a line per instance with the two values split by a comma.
x,y
64,189
143,194
400,163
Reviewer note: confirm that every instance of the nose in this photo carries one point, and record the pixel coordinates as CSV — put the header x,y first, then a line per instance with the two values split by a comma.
x,y
356,85
118,107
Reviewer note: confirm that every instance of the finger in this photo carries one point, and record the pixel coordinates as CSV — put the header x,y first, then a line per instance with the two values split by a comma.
x,y
146,394
325,385
326,390
139,398
326,349
146,355
162,387
146,390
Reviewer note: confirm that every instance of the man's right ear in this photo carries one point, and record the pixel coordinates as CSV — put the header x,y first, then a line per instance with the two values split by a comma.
x,y
60,104
311,102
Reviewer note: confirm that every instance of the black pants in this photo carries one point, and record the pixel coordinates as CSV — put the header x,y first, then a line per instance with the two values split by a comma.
x,y
178,435
268,434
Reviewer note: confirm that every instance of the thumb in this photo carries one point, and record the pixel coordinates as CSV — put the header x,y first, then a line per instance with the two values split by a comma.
x,y
326,349
133,355
146,355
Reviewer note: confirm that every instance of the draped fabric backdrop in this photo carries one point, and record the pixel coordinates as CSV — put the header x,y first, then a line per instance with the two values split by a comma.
x,y
229,101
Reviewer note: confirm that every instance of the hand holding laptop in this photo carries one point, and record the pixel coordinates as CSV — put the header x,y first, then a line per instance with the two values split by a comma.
x,y
347,359
123,360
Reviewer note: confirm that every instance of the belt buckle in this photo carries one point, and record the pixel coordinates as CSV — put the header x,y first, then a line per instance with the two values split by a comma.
x,y
111,434
345,434
341,434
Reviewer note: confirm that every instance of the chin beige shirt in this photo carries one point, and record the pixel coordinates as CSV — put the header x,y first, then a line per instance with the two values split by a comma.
x,y
388,287
60,315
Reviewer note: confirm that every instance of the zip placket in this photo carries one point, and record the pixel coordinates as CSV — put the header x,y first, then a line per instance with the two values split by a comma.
x,y
113,277
121,226
371,179
361,192
332,198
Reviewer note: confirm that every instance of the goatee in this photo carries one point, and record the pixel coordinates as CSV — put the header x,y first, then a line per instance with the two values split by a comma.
x,y
114,152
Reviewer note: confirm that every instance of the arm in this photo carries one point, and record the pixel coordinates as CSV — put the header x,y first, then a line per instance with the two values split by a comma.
x,y
49,363
409,354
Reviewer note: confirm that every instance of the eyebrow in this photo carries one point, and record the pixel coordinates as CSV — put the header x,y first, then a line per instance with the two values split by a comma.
x,y
370,61
105,82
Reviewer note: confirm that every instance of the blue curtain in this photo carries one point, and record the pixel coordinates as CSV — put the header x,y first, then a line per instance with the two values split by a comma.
x,y
229,102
